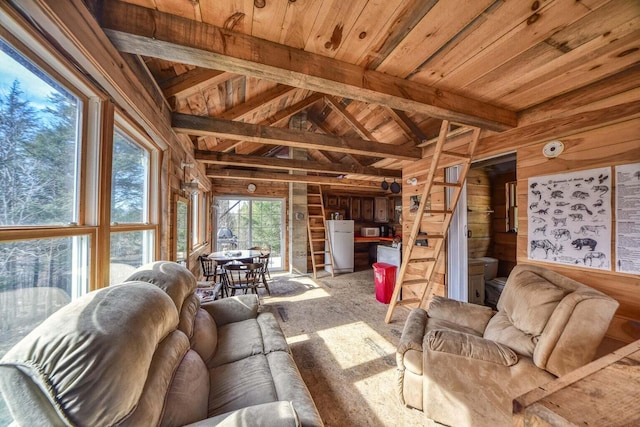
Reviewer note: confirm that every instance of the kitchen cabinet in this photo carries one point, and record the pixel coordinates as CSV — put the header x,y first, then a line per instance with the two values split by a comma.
x,y
356,208
367,208
381,209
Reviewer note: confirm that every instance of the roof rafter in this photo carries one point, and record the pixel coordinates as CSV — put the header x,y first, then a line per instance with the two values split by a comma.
x,y
139,30
285,177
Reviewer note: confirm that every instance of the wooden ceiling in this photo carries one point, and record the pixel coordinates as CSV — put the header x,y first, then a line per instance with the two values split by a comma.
x,y
362,84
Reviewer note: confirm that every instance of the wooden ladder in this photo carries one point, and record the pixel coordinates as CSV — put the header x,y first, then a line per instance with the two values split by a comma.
x,y
419,262
319,244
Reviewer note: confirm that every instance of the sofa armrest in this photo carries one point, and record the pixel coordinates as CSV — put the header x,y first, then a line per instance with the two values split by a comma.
x,y
465,314
471,346
413,332
233,309
272,414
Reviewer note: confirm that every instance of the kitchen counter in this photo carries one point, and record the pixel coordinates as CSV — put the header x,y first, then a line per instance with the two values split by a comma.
x,y
359,239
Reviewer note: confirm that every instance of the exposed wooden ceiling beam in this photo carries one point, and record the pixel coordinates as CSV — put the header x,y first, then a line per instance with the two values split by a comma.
x,y
193,81
149,32
322,127
244,147
413,132
349,118
285,177
214,157
198,125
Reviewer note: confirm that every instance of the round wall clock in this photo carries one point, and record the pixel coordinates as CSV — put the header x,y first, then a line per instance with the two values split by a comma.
x,y
251,188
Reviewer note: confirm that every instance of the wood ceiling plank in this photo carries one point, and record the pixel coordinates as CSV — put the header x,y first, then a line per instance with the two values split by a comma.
x,y
138,30
372,24
212,157
268,20
334,21
298,22
602,58
607,91
192,81
198,125
246,109
237,14
537,28
285,177
488,28
443,22
406,20
324,128
190,10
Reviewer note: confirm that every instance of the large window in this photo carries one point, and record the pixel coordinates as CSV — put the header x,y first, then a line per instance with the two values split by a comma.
x,y
132,230
45,245
244,223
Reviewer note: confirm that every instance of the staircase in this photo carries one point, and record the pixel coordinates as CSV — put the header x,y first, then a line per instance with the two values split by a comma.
x,y
319,244
419,261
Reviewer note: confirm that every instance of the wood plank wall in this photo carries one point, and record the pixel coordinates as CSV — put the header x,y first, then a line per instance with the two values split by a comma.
x,y
604,146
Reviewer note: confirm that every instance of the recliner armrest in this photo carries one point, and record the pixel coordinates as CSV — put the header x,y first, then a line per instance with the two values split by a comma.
x,y
272,414
413,332
465,314
232,309
471,346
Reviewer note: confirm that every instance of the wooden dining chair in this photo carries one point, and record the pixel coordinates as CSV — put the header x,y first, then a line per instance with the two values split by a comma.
x,y
213,273
244,277
263,260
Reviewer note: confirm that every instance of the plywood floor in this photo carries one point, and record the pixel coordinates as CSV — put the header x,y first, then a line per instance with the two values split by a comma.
x,y
344,350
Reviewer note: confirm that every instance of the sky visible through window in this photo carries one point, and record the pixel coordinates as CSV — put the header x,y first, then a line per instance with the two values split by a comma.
x,y
35,89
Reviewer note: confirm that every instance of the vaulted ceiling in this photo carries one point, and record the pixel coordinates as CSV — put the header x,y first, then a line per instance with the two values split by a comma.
x,y
363,85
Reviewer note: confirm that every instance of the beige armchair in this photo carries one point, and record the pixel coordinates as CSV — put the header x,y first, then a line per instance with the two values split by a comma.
x,y
463,364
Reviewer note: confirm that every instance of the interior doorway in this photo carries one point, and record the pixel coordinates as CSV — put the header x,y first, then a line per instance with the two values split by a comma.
x,y
242,223
482,237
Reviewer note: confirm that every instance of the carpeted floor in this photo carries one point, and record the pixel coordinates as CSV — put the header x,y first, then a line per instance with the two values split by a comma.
x,y
342,346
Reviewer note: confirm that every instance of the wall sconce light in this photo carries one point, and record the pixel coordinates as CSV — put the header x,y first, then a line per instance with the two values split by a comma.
x,y
186,165
412,181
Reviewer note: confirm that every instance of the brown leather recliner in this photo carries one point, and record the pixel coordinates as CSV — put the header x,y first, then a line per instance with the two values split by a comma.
x,y
463,364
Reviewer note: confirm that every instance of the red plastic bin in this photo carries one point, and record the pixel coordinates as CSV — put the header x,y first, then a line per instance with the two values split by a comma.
x,y
384,276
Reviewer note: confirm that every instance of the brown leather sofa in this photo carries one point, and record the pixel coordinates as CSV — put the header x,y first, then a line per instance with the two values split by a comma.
x,y
146,352
463,364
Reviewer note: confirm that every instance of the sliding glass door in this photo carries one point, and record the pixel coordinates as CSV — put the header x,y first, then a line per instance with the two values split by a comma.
x,y
242,223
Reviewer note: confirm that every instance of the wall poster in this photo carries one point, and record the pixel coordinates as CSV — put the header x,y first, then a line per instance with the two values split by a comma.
x,y
628,218
569,218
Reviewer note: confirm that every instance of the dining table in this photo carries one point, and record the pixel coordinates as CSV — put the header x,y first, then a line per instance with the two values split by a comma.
x,y
223,257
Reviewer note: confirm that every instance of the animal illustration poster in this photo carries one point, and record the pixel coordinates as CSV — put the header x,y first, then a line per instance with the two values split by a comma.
x,y
628,218
570,218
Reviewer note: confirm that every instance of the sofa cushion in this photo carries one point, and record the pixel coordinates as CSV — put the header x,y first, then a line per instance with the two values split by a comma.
x,y
239,384
205,335
529,300
501,330
237,341
272,414
188,395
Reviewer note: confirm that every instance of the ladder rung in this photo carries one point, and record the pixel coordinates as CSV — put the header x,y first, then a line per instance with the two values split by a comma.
x,y
408,301
315,216
447,184
318,240
316,228
414,282
323,265
429,236
321,252
453,154
417,260
314,205
437,211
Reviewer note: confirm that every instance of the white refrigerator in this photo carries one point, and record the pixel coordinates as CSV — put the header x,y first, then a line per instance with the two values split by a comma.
x,y
340,234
